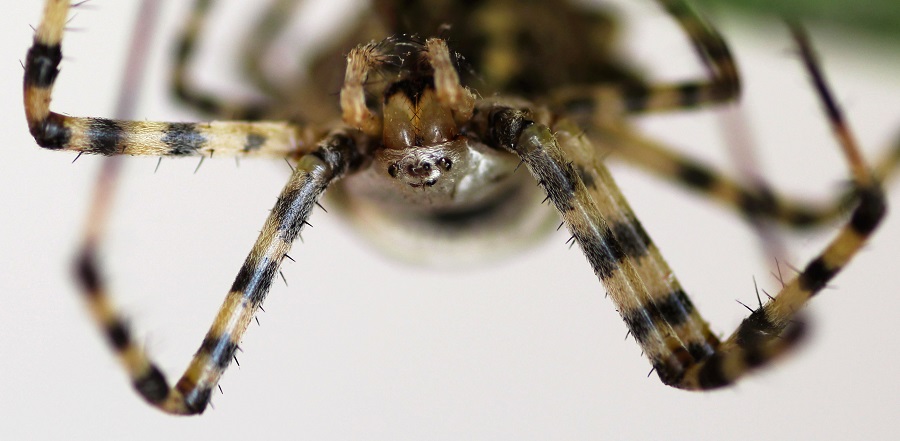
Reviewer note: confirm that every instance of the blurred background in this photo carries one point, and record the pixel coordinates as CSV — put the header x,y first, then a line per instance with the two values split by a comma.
x,y
361,347
874,18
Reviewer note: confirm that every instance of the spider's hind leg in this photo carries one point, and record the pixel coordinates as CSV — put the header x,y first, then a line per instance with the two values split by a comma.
x,y
766,333
656,310
259,43
335,156
601,108
184,89
754,201
317,166
604,102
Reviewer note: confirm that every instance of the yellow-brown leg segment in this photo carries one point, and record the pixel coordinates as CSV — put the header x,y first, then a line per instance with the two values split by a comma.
x,y
769,330
446,81
656,310
111,137
604,105
620,142
181,84
362,61
664,306
607,102
336,155
649,298
886,166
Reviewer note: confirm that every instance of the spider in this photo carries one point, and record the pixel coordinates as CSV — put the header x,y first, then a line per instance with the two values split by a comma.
x,y
411,149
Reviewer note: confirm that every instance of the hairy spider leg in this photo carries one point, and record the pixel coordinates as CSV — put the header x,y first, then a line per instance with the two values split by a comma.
x,y
606,103
316,167
755,201
602,106
664,320
649,298
621,253
760,337
110,137
191,393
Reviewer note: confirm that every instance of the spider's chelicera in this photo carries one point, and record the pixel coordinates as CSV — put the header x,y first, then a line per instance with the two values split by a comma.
x,y
409,149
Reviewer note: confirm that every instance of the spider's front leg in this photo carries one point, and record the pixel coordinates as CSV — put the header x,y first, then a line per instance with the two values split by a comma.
x,y
649,298
654,307
603,102
336,155
767,332
108,137
317,166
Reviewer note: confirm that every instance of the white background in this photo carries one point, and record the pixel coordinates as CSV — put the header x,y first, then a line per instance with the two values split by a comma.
x,y
360,347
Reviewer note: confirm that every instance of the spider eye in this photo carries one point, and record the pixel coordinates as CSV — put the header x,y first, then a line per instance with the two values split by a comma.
x,y
392,170
445,163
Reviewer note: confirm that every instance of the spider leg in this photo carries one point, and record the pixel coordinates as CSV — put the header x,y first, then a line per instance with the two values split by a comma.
x,y
770,330
335,156
362,61
446,81
753,202
605,105
656,310
649,298
115,137
184,89
604,102
267,28
886,167
683,337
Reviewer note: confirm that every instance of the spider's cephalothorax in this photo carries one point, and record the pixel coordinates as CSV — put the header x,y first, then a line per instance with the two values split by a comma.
x,y
424,156
425,160
431,171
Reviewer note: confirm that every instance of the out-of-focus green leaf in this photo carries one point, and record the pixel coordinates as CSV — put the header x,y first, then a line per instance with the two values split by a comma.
x,y
879,18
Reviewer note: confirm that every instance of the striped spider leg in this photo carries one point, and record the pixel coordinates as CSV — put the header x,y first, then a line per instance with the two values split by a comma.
x,y
317,165
602,107
657,312
431,150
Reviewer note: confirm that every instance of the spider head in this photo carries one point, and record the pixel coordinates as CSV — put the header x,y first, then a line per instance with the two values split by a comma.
x,y
421,139
424,158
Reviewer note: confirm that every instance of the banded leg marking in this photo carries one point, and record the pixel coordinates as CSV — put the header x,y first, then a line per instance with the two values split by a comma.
x,y
770,330
139,138
751,202
112,137
602,102
688,338
615,247
336,156
652,303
